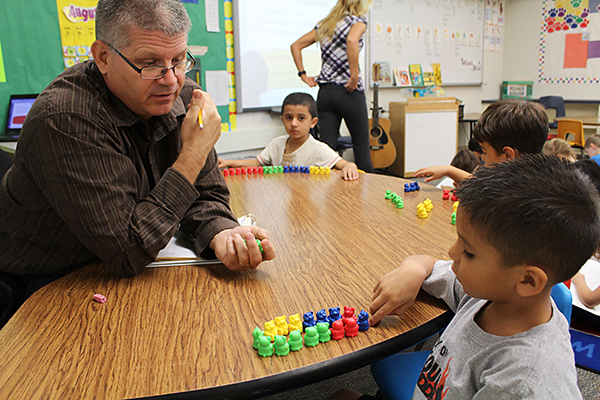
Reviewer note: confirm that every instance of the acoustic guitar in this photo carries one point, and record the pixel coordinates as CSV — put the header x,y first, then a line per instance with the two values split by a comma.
x,y
383,151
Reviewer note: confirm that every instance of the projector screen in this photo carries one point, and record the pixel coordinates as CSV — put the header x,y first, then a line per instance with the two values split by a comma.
x,y
263,32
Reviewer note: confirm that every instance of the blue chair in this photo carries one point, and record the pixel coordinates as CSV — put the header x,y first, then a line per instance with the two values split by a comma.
x,y
556,103
343,142
397,375
564,300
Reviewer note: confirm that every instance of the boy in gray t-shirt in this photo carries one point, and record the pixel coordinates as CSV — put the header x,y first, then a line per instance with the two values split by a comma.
x,y
522,227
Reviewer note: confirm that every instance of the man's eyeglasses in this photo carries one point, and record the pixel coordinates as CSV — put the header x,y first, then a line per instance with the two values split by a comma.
x,y
157,72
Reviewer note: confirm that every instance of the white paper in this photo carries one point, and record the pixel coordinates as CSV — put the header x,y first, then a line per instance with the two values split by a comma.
x,y
211,8
217,85
180,250
591,271
446,183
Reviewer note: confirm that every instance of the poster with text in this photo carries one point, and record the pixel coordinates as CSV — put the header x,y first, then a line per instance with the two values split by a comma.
x,y
76,19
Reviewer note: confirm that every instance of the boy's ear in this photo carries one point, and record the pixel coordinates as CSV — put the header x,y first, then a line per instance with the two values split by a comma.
x,y
314,121
533,281
510,153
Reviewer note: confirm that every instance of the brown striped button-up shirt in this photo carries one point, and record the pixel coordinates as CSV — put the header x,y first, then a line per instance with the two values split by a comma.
x,y
91,181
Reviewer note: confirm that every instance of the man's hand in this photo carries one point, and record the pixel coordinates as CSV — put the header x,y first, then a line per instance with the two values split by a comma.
x,y
197,143
231,250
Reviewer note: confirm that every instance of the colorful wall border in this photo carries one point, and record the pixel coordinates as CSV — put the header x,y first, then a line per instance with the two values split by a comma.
x,y
232,125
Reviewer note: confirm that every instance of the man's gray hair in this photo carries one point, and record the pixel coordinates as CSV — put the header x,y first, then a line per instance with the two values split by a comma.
x,y
114,18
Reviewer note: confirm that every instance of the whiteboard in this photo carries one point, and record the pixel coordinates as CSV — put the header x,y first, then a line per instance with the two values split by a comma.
x,y
264,30
448,32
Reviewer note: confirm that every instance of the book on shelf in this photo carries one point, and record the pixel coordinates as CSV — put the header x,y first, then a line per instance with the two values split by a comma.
x,y
437,73
401,76
416,76
385,74
428,77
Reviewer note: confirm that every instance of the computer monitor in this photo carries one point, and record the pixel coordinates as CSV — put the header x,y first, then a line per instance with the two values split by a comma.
x,y
18,107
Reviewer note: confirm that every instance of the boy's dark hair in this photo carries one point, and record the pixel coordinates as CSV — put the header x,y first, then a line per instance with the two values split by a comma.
x,y
535,210
475,146
301,99
591,169
519,124
465,160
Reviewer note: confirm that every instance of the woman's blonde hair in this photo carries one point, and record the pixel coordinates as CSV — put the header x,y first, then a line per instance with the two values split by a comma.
x,y
326,27
560,148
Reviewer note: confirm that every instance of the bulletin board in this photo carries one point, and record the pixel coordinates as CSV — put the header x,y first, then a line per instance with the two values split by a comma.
x,y
425,32
570,42
31,49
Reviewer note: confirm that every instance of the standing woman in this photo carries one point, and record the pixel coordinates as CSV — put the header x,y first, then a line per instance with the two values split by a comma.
x,y
341,89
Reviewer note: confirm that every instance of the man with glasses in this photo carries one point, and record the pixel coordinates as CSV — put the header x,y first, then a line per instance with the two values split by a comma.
x,y
111,162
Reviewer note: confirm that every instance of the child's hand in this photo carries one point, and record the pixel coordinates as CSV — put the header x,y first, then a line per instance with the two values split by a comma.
x,y
223,163
432,173
396,291
350,172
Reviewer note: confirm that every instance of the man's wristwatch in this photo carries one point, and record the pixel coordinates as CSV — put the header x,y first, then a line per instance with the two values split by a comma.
x,y
301,73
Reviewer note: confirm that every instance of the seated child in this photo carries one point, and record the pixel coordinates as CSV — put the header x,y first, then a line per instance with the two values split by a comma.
x,y
522,227
559,148
592,147
298,147
590,298
465,160
507,129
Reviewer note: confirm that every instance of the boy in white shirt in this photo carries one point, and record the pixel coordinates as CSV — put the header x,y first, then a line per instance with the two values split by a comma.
x,y
298,147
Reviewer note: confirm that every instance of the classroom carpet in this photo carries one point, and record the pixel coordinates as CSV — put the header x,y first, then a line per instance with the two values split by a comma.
x,y
587,350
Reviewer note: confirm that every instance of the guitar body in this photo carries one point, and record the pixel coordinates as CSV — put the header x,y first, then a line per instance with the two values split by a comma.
x,y
383,151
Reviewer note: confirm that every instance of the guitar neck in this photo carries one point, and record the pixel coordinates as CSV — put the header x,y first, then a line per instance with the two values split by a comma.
x,y
376,104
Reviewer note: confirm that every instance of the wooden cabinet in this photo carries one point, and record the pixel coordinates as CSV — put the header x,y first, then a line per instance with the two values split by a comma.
x,y
425,133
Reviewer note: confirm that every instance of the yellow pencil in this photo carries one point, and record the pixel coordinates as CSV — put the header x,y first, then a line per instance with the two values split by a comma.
x,y
200,119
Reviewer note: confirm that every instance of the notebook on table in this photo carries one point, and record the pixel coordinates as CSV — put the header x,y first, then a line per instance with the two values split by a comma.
x,y
18,107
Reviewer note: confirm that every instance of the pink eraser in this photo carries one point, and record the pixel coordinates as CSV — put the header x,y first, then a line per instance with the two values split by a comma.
x,y
99,298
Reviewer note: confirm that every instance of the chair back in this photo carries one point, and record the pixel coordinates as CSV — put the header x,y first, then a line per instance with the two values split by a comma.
x,y
343,142
564,299
556,103
573,127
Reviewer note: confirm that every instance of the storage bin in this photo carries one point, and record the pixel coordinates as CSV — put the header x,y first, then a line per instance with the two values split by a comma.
x,y
517,90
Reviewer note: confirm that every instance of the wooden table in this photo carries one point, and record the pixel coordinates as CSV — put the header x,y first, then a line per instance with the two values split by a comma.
x,y
185,332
